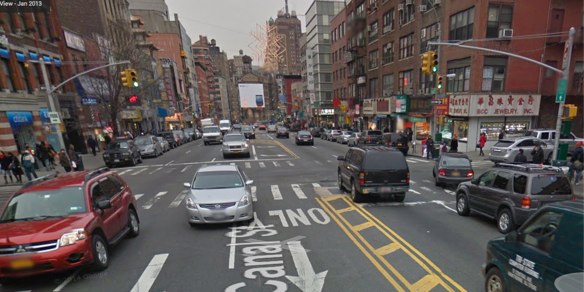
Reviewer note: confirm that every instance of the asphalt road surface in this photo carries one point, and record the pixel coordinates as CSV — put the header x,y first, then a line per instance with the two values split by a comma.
x,y
307,235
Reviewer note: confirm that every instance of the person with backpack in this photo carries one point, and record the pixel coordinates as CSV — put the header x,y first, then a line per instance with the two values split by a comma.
x,y
27,161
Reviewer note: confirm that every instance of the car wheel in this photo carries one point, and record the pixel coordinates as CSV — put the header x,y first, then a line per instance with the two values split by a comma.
x,y
133,223
399,198
437,183
462,205
100,253
494,281
505,221
340,182
355,195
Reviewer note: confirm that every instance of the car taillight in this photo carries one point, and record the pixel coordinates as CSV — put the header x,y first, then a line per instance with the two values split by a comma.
x,y
442,172
574,198
361,178
408,178
469,173
526,202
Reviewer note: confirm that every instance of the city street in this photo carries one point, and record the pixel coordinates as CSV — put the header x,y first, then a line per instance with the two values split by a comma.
x,y
307,236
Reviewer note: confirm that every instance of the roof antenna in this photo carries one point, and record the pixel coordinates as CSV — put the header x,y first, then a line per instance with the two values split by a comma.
x,y
286,1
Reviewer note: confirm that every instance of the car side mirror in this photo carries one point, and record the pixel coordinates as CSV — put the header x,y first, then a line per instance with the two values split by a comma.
x,y
475,181
104,204
187,185
249,182
512,236
340,158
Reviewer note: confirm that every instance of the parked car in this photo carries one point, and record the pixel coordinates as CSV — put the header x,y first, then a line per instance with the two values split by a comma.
x,y
180,135
505,150
371,137
122,151
262,127
165,145
248,132
373,170
452,168
65,221
332,136
549,136
304,137
510,193
324,134
190,134
283,132
149,146
272,129
235,144
353,140
170,138
315,132
545,254
344,137
212,134
219,194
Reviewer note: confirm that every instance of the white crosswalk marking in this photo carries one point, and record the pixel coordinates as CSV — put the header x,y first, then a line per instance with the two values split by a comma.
x,y
450,192
247,165
138,196
170,170
411,161
155,170
290,163
276,192
419,160
139,171
315,185
299,193
151,202
125,171
262,165
276,164
150,274
176,202
185,169
254,196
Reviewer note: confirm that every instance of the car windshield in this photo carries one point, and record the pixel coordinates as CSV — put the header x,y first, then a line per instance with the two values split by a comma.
x,y
119,145
384,160
454,161
233,138
224,125
550,184
504,144
45,204
246,129
217,180
142,140
210,130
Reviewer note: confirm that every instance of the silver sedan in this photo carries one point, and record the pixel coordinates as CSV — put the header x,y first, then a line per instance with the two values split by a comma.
x,y
219,194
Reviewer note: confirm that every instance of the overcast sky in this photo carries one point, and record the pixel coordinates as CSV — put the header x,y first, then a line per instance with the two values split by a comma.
x,y
231,22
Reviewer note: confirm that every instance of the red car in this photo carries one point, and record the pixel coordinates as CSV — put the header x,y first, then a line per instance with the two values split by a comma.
x,y
64,221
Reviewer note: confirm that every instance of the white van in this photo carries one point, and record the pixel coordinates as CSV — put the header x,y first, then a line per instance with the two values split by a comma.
x,y
225,126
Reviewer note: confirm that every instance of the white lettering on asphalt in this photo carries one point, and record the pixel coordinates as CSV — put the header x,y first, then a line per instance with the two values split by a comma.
x,y
280,286
325,217
262,165
150,274
299,193
300,216
252,260
290,163
280,214
151,202
276,192
139,171
254,190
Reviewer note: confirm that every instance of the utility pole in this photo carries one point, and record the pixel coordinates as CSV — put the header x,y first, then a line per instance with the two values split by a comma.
x,y
55,128
561,88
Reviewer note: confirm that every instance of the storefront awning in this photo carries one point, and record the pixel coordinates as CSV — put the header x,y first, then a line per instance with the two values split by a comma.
x,y
19,119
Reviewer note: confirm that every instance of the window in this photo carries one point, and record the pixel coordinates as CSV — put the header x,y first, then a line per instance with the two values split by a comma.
x,y
406,46
502,181
461,25
5,70
494,74
373,88
500,17
388,20
461,81
427,34
519,184
373,59
407,15
373,32
405,78
361,9
387,84
541,232
427,83
487,178
22,74
578,79
526,143
492,129
388,53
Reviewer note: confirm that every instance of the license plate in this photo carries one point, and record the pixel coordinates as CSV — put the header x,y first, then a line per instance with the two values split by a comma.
x,y
386,189
455,173
21,264
116,160
219,215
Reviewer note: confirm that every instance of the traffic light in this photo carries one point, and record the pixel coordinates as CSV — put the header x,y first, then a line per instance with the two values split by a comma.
x,y
439,80
426,63
133,78
133,99
433,61
570,111
125,75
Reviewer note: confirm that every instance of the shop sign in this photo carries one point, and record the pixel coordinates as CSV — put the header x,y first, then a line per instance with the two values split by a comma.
x,y
361,80
44,114
129,115
368,107
327,112
402,104
383,106
19,119
54,117
74,41
504,105
441,110
420,105
458,105
88,100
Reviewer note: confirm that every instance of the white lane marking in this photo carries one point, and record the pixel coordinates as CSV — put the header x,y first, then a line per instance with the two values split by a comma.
x,y
232,163
66,282
232,248
426,189
419,160
444,205
276,192
276,164
176,202
247,165
412,182
126,171
169,163
450,192
138,196
155,170
255,157
254,196
290,163
185,169
334,156
427,181
415,192
328,161
139,171
318,162
315,185
170,170
411,161
188,152
314,147
150,274
299,193
213,159
151,202
262,165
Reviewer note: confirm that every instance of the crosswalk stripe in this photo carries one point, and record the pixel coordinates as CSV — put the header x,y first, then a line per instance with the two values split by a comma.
x,y
276,192
247,165
262,165
150,274
176,202
254,190
185,169
299,193
276,164
290,163
125,171
420,160
139,171
155,170
411,161
170,170
450,192
151,202
315,185
138,196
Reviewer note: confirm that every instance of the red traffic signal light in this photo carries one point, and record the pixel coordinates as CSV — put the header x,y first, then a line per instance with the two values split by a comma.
x,y
133,99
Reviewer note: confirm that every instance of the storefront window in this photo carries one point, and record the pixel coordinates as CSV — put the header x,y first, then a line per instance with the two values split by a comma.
x,y
512,129
422,130
460,128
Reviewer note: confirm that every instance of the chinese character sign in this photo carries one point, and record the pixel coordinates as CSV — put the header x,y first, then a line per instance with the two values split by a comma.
x,y
504,105
458,105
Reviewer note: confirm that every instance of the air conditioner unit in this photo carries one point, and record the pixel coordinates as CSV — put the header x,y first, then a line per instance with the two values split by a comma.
x,y
400,6
505,33
423,32
423,8
409,2
437,2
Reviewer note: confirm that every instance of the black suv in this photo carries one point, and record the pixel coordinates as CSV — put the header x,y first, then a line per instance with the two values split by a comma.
x,y
122,151
169,136
374,170
370,137
511,193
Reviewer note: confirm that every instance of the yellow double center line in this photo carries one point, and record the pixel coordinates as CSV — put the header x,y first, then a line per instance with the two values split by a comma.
x,y
279,144
433,277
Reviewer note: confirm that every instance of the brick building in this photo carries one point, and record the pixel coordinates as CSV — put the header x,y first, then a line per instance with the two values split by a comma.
x,y
338,53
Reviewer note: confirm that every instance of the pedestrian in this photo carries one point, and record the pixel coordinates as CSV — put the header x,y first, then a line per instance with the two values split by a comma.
x,y
454,143
537,154
5,167
28,161
577,163
444,147
64,161
52,154
520,158
43,155
107,139
430,148
73,157
502,135
482,142
15,167
92,143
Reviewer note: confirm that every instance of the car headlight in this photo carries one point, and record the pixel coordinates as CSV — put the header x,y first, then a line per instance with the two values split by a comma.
x,y
72,237
126,154
190,203
244,200
106,155
245,145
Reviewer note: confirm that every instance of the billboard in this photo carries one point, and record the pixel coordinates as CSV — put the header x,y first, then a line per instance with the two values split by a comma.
x,y
251,95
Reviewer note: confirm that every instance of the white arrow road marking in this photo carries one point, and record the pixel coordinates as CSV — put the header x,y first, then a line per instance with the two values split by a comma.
x,y
150,273
176,202
415,192
290,163
262,165
185,169
276,192
155,170
307,280
247,165
299,193
138,196
139,171
450,192
276,164
254,190
315,185
151,202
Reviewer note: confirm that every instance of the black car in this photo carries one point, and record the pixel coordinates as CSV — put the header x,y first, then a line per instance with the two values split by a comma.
x,y
396,140
122,151
370,137
282,132
373,170
304,137
169,136
452,168
511,193
248,132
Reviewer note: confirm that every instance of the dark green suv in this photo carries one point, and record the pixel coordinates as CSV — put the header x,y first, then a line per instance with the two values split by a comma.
x,y
545,254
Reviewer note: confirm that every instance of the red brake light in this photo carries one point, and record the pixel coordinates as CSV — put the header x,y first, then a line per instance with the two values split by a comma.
x,y
442,172
361,178
526,202
574,198
470,173
408,178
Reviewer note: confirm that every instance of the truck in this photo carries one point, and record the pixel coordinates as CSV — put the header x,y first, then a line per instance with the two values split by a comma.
x,y
225,126
549,135
206,122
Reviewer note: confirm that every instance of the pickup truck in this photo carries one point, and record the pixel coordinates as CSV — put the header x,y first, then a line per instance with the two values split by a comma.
x,y
548,135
